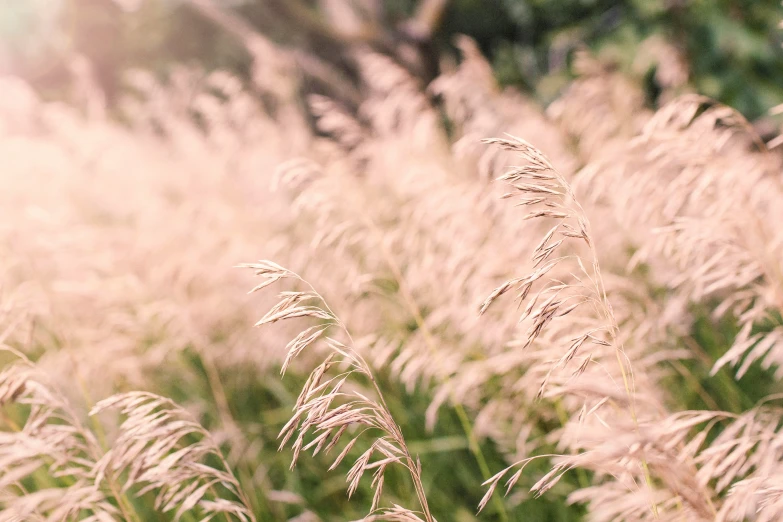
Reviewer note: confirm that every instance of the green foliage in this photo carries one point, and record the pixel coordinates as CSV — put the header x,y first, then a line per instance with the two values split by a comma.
x,y
732,46
261,407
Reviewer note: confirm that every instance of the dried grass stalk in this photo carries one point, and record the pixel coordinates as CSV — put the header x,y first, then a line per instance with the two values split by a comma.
x,y
329,408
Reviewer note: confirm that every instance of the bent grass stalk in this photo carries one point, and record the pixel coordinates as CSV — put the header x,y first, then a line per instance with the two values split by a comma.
x,y
312,408
544,183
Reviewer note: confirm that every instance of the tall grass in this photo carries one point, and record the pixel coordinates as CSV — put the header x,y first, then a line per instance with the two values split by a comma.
x,y
632,376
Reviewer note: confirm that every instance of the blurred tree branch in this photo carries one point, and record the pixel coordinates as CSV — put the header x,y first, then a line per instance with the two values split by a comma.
x,y
428,17
367,31
259,45
339,28
355,23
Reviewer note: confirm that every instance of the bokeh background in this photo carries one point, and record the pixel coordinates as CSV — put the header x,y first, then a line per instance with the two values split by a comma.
x,y
731,47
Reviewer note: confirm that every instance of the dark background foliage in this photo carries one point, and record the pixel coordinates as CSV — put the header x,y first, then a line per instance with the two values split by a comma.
x,y
731,46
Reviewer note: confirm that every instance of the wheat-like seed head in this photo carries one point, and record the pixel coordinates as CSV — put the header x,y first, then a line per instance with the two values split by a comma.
x,y
153,452
53,440
327,408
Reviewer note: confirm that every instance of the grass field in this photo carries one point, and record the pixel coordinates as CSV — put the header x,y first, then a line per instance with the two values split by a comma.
x,y
472,327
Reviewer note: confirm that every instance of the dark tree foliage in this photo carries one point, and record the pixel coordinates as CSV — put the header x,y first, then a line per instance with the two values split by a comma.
x,y
732,47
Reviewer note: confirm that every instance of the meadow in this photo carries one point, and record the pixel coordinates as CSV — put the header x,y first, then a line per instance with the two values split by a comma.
x,y
221,301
